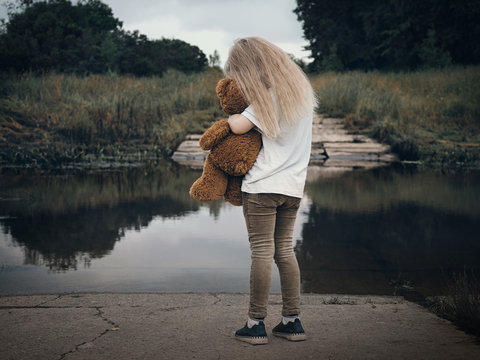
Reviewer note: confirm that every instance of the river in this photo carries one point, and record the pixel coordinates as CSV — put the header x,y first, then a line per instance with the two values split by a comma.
x,y
379,231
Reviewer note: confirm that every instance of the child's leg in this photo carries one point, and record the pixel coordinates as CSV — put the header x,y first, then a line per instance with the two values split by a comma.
x,y
260,212
285,256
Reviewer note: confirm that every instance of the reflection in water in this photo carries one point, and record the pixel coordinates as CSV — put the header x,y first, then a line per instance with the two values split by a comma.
x,y
137,229
382,231
63,219
62,240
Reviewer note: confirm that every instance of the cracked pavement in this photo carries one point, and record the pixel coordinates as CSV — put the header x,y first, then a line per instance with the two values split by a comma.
x,y
189,326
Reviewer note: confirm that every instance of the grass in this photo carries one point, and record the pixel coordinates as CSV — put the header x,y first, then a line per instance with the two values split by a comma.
x,y
57,118
432,116
335,300
53,119
462,305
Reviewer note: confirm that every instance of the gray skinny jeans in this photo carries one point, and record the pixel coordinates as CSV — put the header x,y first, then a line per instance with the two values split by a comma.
x,y
270,219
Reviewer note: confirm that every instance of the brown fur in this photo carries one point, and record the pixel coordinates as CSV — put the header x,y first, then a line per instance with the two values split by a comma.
x,y
231,98
231,156
211,185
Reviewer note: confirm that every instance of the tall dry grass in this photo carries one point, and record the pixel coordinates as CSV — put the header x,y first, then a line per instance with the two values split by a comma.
x,y
418,112
56,118
462,304
55,111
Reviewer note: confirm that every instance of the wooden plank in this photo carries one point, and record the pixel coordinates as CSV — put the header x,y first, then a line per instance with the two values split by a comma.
x,y
329,137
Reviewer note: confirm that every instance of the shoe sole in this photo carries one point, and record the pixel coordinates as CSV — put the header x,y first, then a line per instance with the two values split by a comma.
x,y
291,337
253,340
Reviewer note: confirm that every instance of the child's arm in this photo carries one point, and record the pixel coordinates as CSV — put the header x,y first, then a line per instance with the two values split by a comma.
x,y
239,124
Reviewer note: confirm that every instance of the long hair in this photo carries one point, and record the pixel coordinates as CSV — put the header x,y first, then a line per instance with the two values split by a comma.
x,y
261,70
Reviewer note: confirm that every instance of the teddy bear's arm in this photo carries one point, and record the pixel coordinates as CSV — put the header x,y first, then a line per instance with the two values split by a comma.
x,y
236,154
215,134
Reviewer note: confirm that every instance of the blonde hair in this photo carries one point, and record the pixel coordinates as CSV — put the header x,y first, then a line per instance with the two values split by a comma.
x,y
261,69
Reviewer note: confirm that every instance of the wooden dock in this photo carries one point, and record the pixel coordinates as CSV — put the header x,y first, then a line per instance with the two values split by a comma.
x,y
189,153
334,150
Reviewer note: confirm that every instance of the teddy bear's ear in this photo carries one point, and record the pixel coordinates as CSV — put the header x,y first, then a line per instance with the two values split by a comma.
x,y
222,86
214,134
231,97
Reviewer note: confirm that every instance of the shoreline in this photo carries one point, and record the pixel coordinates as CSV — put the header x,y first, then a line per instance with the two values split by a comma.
x,y
186,326
429,116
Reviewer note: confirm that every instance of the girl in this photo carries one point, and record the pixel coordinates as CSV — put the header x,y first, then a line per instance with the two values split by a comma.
x,y
281,107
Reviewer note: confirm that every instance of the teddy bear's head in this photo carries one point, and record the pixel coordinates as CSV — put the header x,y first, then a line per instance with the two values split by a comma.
x,y
230,96
231,156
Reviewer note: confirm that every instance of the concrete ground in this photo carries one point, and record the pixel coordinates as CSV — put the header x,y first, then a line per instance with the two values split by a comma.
x,y
201,326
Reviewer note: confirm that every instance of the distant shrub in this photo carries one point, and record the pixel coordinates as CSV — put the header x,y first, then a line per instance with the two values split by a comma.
x,y
406,147
455,109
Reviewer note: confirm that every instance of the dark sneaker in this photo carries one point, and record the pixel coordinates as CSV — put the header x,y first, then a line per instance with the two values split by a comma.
x,y
255,335
293,331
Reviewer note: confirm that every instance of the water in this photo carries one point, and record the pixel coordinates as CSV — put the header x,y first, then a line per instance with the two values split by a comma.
x,y
381,231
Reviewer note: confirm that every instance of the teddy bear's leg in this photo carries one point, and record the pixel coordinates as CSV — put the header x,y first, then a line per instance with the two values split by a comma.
x,y
233,194
211,185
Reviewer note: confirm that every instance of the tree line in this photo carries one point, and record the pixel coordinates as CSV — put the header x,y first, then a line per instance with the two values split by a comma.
x,y
390,34
85,37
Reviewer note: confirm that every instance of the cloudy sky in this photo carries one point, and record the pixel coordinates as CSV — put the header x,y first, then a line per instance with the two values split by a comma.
x,y
213,24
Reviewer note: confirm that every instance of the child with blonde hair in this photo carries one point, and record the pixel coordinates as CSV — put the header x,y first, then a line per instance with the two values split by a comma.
x,y
281,108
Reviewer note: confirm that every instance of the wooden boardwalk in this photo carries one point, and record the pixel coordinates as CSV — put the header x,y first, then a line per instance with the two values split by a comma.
x,y
334,150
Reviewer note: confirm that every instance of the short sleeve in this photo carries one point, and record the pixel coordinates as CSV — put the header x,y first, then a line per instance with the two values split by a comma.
x,y
250,115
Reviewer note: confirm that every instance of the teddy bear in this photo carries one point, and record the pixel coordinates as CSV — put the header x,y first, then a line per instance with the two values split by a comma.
x,y
231,156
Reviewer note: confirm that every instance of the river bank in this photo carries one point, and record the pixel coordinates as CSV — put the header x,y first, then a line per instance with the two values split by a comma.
x,y
187,326
431,116
56,120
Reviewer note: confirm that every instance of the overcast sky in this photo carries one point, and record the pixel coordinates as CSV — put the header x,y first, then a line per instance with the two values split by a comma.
x,y
213,24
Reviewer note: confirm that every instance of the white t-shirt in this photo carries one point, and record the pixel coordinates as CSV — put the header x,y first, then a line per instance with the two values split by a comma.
x,y
281,165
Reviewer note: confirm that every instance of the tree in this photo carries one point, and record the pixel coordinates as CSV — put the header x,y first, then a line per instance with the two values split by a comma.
x,y
86,38
457,29
57,35
393,30
135,57
431,55
141,56
337,22
331,61
179,55
214,59
390,34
